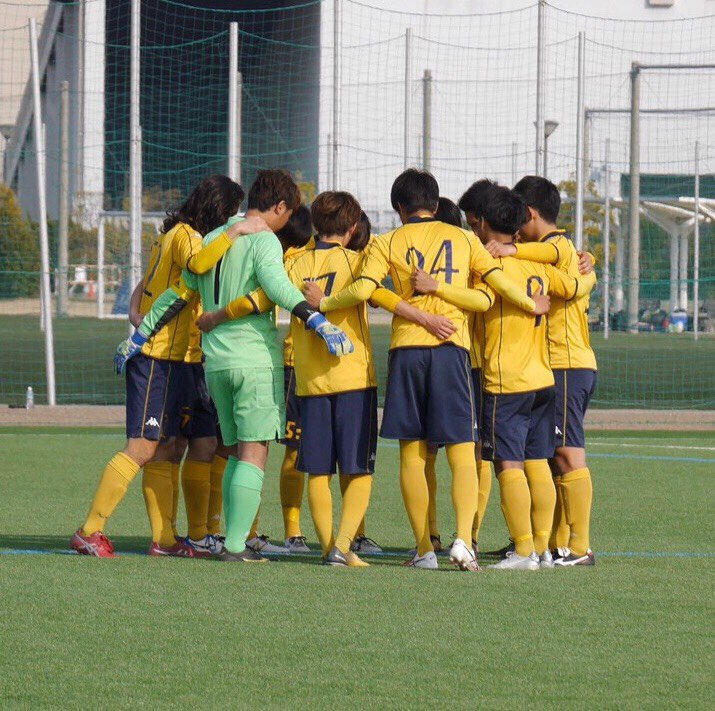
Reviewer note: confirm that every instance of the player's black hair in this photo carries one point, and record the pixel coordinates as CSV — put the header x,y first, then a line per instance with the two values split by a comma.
x,y
361,237
476,196
448,212
540,194
414,190
298,230
209,205
272,187
505,211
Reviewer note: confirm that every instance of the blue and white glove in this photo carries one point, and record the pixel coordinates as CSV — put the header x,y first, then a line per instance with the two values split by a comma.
x,y
337,342
126,350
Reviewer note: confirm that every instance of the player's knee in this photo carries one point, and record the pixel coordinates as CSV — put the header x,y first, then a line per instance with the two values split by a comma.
x,y
141,450
566,459
202,449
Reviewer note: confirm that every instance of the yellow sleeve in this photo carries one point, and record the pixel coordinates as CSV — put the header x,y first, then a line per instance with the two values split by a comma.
x,y
257,302
482,263
566,287
541,252
208,256
507,289
385,299
184,246
471,299
586,283
593,257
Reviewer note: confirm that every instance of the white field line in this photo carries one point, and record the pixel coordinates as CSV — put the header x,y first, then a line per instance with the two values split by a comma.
x,y
615,444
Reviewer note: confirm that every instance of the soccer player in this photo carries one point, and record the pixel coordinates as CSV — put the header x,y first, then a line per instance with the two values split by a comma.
x,y
574,365
153,376
243,363
518,407
429,391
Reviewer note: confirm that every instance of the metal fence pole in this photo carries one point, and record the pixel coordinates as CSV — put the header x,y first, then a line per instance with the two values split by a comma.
x,y
41,172
408,95
233,102
101,278
578,237
540,99
336,89
607,242
427,120
634,237
135,159
696,244
63,235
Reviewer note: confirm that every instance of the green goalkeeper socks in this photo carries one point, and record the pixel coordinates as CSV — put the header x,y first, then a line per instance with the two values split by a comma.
x,y
243,489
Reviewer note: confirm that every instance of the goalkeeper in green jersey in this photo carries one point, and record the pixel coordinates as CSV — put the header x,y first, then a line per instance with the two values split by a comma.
x,y
244,362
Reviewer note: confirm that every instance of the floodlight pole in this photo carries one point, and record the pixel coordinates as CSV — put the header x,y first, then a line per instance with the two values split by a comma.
x,y
427,119
540,99
41,173
408,96
135,158
234,105
696,244
336,89
607,242
634,241
63,227
101,278
578,236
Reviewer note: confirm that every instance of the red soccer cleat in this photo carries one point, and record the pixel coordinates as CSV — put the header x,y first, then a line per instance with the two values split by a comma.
x,y
178,550
97,544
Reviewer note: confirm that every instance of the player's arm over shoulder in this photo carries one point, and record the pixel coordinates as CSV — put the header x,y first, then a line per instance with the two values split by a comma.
x,y
567,287
270,272
553,251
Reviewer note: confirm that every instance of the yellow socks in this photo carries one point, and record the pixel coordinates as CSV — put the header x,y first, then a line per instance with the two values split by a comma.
x,y
213,516
344,482
464,487
578,496
415,494
321,509
196,483
159,498
484,475
431,476
291,485
175,499
543,501
115,480
356,499
253,533
516,505
560,531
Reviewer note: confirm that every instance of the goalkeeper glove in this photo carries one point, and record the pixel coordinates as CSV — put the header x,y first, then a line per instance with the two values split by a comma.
x,y
337,342
126,350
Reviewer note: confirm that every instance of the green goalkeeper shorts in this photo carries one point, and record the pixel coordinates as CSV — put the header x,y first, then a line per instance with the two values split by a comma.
x,y
249,403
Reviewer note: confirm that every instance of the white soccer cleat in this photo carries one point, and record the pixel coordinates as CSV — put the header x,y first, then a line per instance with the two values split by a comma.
x,y
216,544
202,548
514,561
428,561
365,545
297,544
261,544
463,556
546,560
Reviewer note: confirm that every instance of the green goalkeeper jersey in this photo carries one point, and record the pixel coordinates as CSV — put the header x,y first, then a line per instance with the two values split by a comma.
x,y
254,261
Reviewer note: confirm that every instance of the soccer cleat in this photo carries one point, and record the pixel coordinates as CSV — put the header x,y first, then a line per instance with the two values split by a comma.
x,y
247,555
514,561
96,544
546,560
559,553
216,543
463,556
436,545
261,544
354,561
336,558
296,544
179,550
203,548
363,544
502,552
428,561
573,559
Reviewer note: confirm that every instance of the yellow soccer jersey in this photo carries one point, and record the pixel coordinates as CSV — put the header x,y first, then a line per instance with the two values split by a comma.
x,y
316,371
569,337
170,254
194,354
516,352
290,254
476,329
450,254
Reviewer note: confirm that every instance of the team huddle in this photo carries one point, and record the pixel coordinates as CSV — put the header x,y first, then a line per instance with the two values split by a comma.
x,y
489,359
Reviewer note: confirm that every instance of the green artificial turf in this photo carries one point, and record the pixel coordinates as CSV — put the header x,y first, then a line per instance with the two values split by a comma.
x,y
633,632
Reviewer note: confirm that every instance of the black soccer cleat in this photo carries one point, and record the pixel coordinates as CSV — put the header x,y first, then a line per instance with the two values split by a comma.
x,y
245,556
336,558
502,552
573,559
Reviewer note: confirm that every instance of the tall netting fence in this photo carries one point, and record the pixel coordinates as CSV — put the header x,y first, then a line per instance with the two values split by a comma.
x,y
455,92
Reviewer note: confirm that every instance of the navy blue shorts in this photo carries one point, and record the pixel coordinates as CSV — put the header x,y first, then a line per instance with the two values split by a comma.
x,y
198,414
518,426
430,396
153,388
293,426
339,431
574,390
478,394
